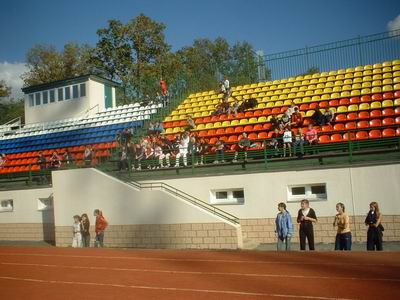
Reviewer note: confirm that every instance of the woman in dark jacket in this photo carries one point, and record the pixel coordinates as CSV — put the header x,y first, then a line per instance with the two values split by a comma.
x,y
375,228
306,217
85,231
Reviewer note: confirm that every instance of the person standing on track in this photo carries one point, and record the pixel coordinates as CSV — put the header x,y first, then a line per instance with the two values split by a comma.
x,y
342,222
306,217
375,228
101,225
284,228
85,231
76,237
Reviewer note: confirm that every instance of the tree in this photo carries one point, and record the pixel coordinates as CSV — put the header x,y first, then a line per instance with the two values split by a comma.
x,y
46,64
5,90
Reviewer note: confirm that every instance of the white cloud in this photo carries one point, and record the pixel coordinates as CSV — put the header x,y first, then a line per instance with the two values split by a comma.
x,y
11,74
394,24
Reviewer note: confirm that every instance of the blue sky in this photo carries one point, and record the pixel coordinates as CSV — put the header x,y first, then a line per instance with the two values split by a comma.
x,y
272,26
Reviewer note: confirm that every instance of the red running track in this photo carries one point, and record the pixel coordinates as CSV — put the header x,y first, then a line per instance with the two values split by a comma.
x,y
66,273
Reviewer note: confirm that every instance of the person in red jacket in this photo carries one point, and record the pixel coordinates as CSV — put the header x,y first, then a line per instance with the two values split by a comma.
x,y
164,88
101,225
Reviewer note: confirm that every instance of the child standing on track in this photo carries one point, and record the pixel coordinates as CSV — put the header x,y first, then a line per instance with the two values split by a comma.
x,y
77,237
101,225
284,228
343,236
306,217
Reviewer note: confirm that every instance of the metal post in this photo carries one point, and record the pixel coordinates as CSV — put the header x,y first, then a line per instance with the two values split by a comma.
x,y
350,147
265,154
359,51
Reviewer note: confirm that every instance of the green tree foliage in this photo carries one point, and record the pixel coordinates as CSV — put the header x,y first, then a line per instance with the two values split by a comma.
x,y
4,89
46,64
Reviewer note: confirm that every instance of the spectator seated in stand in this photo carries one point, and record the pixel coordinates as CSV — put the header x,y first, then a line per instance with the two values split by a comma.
x,y
123,159
311,136
328,116
3,160
158,128
317,117
287,141
242,146
191,123
55,162
298,144
219,152
296,119
234,108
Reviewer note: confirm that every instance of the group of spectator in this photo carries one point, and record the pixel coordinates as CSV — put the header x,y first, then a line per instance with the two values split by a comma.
x,y
81,230
306,217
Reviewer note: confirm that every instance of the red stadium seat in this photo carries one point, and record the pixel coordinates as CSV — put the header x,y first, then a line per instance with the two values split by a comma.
x,y
253,136
397,110
375,134
398,120
375,113
351,116
347,135
183,123
323,104
267,126
366,98
238,129
263,135
351,125
213,140
388,132
223,117
375,123
388,95
398,131
240,115
257,113
266,112
211,132
220,131
339,127
363,115
397,94
388,112
363,124
376,97
313,105
336,138
361,135
198,120
388,122
327,128
344,101
248,128
258,127
248,114
354,100
202,133
341,118
276,111
229,130
334,103
207,120
324,139
224,138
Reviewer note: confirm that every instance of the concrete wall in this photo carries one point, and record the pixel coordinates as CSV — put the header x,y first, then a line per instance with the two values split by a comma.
x,y
26,221
138,212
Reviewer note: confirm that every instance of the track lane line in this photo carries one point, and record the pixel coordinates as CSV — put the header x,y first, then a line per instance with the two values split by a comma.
x,y
205,273
228,292
202,260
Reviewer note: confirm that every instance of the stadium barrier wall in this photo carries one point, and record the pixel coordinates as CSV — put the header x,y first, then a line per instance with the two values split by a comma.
x,y
137,218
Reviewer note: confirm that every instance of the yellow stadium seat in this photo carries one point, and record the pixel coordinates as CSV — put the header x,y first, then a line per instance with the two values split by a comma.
x,y
283,97
200,126
328,90
326,96
375,105
168,119
341,71
177,130
386,64
397,102
345,94
396,62
252,120
197,115
377,66
243,122
387,70
387,88
396,79
287,102
324,74
332,73
261,105
169,130
342,109
368,67
348,75
387,81
337,89
353,107
310,113
358,74
359,69
205,113
357,80
366,84
262,119
387,103
217,124
376,71
318,91
396,87
367,73
315,98
335,95
365,91
209,125
346,88
376,89
235,122
270,104
349,70
306,99
175,118
363,106
355,93
278,103
226,123
387,75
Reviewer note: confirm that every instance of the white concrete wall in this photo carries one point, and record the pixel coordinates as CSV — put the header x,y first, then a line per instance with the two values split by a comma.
x,y
355,187
83,190
26,206
96,95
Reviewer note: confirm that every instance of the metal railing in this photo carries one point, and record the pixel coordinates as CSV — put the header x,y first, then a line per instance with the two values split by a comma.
x,y
188,198
354,52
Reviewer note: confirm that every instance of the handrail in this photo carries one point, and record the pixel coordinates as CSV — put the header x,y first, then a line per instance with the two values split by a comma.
x,y
204,205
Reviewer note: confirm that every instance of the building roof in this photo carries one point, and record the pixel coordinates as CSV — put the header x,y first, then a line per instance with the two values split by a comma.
x,y
68,81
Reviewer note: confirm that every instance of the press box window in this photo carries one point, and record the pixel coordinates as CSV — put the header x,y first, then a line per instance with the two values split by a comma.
x,y
45,97
60,93
231,196
6,205
31,100
37,99
82,89
67,93
52,96
312,192
45,203
75,92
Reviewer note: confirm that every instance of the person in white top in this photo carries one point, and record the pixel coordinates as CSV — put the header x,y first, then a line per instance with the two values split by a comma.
x,y
183,150
77,236
227,87
287,141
